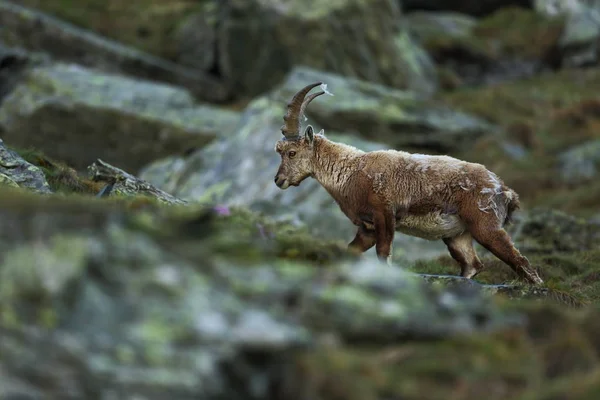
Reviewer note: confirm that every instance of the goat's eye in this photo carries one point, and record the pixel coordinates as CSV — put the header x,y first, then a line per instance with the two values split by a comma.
x,y
292,154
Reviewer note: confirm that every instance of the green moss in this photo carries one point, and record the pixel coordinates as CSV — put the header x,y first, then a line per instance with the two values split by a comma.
x,y
573,278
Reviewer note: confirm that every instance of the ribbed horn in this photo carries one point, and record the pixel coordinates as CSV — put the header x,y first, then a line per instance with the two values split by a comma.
x,y
295,109
307,102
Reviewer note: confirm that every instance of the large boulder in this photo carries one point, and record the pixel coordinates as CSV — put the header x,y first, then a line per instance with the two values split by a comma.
x,y
13,63
78,115
544,231
260,41
36,31
509,44
100,303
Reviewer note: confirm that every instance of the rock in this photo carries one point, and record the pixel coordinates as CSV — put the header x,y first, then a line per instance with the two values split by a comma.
x,y
425,25
93,305
580,164
78,114
196,39
16,172
476,8
122,183
36,31
580,39
544,230
13,63
509,44
260,41
558,7
509,291
375,112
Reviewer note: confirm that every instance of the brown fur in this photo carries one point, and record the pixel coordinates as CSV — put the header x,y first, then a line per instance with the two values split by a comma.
x,y
432,197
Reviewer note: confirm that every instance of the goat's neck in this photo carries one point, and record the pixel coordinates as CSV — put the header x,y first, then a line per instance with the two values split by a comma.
x,y
334,163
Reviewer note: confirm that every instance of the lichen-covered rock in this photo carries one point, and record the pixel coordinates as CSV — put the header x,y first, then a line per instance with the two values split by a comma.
x,y
394,117
117,308
196,39
425,25
16,172
581,37
509,44
260,41
122,183
78,115
558,7
545,230
13,63
36,31
581,163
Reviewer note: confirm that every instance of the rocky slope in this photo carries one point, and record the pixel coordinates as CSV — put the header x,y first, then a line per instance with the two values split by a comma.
x,y
146,253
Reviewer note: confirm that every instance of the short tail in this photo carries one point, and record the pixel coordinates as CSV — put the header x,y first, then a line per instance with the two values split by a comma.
x,y
512,204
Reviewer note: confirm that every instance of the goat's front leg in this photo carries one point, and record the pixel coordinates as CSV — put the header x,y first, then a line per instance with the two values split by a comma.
x,y
363,241
385,226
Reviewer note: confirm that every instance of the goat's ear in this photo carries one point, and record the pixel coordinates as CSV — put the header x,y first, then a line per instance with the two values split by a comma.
x,y
309,134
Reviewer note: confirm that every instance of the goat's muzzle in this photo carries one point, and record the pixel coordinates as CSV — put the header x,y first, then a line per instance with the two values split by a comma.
x,y
282,183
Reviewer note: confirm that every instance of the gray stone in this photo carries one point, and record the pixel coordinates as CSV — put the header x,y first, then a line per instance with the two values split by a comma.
x,y
102,307
580,164
580,39
16,172
35,31
260,41
78,115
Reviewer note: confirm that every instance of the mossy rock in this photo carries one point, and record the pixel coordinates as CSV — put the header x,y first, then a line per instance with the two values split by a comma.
x,y
77,115
355,38
18,172
70,42
511,43
146,25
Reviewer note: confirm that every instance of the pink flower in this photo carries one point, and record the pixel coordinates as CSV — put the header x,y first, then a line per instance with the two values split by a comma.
x,y
222,210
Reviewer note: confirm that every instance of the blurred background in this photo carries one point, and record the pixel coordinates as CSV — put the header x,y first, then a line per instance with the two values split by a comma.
x,y
189,96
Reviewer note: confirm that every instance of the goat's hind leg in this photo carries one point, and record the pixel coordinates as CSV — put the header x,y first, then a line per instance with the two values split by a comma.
x,y
487,231
461,249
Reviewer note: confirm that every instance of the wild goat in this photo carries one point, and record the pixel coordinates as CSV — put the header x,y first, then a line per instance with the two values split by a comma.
x,y
384,191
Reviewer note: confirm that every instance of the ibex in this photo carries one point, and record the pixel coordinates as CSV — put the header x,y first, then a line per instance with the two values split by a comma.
x,y
428,196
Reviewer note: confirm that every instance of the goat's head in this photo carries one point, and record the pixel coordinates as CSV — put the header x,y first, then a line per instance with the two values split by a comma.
x,y
296,150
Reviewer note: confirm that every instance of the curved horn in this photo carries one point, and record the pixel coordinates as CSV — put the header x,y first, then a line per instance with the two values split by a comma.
x,y
291,128
307,102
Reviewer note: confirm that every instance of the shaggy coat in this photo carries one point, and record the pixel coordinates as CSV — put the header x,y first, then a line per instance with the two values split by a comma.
x,y
388,191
